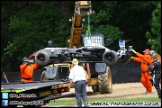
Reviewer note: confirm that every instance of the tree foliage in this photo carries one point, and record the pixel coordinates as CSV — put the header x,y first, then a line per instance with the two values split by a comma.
x,y
31,26
28,25
154,36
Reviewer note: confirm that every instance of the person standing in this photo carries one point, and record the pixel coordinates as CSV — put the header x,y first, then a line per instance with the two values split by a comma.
x,y
77,75
158,57
27,70
155,71
144,59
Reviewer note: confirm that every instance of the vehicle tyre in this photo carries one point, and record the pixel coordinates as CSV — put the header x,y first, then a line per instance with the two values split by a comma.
x,y
110,57
105,81
42,58
95,88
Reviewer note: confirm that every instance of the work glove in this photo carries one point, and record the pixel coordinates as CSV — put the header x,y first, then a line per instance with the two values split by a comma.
x,y
133,51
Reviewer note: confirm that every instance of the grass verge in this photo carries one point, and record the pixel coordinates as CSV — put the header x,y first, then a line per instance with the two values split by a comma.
x,y
107,100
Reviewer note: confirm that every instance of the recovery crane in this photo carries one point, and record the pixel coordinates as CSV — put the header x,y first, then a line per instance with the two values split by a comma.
x,y
92,55
80,10
100,80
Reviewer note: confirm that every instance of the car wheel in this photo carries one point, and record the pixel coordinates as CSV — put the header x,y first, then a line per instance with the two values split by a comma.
x,y
110,57
42,58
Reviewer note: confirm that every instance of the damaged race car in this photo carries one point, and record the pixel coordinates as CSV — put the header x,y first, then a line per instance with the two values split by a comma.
x,y
93,50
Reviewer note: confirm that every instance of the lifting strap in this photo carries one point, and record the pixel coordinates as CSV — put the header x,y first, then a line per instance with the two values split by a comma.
x,y
89,30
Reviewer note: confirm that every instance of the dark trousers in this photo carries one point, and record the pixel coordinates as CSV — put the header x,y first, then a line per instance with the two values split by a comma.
x,y
156,84
80,93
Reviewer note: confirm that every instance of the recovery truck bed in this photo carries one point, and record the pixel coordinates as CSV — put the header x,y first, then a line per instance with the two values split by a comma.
x,y
36,93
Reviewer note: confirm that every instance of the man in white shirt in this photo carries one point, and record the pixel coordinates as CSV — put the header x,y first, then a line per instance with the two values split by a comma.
x,y
77,75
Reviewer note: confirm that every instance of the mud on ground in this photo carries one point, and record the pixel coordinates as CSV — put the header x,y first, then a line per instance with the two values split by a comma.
x,y
125,90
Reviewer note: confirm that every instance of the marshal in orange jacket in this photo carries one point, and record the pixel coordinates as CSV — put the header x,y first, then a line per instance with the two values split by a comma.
x,y
27,71
145,78
144,59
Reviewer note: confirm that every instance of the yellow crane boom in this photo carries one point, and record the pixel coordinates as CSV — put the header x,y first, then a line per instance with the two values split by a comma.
x,y
80,10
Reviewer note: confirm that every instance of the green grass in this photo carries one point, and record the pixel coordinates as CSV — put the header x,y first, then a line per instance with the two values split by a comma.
x,y
73,102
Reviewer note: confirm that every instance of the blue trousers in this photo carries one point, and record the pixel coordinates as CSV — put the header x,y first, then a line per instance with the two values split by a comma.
x,y
80,93
156,84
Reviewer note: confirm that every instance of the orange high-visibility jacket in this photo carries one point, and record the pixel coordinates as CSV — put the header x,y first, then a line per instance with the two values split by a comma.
x,y
28,70
144,59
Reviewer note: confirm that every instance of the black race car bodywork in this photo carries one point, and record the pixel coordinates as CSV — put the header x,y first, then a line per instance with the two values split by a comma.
x,y
89,53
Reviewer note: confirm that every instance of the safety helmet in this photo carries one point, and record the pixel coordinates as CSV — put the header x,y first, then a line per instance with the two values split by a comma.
x,y
146,50
24,59
75,61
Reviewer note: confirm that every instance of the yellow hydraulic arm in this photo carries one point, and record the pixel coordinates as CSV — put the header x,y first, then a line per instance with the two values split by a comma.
x,y
81,9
